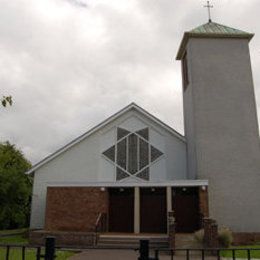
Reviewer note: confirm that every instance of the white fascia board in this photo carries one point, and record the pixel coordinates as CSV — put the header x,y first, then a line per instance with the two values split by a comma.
x,y
98,127
177,183
161,123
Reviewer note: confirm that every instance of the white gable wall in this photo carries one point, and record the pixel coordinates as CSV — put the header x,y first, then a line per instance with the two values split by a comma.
x,y
84,162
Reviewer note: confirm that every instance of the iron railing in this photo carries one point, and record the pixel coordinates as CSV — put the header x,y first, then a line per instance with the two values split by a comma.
x,y
201,253
144,250
49,252
9,249
101,223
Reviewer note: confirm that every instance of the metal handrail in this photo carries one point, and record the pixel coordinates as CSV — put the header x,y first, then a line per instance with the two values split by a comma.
x,y
98,219
99,224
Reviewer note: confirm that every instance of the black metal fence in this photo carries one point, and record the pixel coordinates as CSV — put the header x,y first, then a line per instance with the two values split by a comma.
x,y
203,253
188,253
144,252
48,254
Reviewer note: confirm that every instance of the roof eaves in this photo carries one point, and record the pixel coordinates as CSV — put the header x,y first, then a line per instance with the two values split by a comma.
x,y
158,121
79,138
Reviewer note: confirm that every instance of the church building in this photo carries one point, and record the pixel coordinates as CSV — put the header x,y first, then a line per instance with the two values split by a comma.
x,y
127,174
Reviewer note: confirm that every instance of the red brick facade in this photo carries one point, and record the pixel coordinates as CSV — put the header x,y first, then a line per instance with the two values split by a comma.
x,y
171,230
63,238
203,202
74,208
210,233
244,238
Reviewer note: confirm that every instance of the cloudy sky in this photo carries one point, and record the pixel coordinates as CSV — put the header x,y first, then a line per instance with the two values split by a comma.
x,y
70,64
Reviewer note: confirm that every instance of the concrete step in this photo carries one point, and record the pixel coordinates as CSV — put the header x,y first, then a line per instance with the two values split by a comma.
x,y
130,241
186,241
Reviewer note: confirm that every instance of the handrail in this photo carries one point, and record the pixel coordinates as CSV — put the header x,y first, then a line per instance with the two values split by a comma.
x,y
98,219
101,222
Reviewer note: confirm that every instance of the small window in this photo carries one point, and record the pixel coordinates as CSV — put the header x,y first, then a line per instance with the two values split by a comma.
x,y
185,76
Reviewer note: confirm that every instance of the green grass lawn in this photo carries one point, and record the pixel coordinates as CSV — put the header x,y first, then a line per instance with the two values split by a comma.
x,y
16,253
30,254
243,253
17,239
13,231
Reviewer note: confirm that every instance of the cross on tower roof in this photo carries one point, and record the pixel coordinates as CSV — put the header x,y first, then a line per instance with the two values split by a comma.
x,y
209,6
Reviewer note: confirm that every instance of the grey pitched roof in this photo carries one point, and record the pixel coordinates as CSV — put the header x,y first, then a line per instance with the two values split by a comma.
x,y
211,30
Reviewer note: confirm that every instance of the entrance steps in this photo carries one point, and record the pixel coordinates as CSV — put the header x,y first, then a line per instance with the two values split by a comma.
x,y
185,240
131,241
125,241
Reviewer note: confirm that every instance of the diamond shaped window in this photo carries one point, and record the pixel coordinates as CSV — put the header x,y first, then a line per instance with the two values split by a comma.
x,y
132,154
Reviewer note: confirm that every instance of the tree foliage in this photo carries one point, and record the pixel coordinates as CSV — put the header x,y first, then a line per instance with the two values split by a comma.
x,y
6,100
15,187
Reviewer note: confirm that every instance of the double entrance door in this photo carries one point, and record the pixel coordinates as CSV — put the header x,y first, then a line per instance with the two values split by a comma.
x,y
152,211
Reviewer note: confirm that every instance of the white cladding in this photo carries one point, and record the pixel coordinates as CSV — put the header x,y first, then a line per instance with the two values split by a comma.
x,y
222,129
84,163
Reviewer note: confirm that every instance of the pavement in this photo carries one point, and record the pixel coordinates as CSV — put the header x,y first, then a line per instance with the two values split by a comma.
x,y
112,254
119,254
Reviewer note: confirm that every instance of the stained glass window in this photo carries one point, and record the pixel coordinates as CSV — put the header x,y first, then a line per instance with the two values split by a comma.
x,y
120,174
155,153
132,154
110,153
121,153
144,174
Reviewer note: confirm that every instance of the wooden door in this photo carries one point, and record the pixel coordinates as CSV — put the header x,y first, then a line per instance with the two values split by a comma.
x,y
185,204
153,210
121,210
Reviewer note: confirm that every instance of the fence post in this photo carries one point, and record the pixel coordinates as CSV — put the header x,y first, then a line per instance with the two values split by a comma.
x,y
144,250
207,222
49,248
214,236
171,230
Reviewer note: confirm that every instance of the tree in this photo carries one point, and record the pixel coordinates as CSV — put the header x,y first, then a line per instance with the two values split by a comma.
x,y
15,187
6,100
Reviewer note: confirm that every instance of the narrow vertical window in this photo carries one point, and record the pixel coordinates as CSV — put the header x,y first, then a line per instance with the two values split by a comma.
x,y
185,76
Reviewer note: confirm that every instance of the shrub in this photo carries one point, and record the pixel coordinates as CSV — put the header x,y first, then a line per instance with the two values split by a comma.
x,y
225,237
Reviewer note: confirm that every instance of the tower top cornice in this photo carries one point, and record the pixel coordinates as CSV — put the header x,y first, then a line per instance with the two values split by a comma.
x,y
211,30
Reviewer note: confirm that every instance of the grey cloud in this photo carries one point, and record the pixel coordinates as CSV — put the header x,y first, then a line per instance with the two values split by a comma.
x,y
78,3
69,68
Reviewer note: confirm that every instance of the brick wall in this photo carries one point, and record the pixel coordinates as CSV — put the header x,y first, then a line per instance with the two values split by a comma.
x,y
244,238
203,202
210,233
63,238
74,208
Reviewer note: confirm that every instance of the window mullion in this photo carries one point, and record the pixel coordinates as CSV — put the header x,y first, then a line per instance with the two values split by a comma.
x,y
127,153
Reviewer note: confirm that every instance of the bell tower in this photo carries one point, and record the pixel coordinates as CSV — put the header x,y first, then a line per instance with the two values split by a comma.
x,y
221,124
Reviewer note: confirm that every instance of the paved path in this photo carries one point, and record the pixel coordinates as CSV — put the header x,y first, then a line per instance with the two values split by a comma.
x,y
97,254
